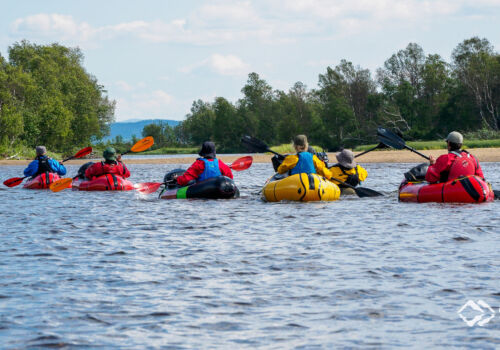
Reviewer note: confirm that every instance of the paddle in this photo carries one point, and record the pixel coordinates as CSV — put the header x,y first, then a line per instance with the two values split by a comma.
x,y
392,140
260,146
380,145
139,146
239,164
360,191
17,180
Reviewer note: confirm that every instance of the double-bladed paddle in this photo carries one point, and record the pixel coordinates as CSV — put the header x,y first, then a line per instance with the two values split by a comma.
x,y
17,180
239,164
390,139
139,146
259,146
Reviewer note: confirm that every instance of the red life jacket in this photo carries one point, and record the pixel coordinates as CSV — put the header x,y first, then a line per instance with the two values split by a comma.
x,y
464,165
112,168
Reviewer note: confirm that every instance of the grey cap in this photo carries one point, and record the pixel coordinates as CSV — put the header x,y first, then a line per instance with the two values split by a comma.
x,y
455,137
40,150
300,141
346,159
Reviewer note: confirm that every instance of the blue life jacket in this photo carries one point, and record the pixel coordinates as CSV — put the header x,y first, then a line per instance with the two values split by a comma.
x,y
304,165
211,169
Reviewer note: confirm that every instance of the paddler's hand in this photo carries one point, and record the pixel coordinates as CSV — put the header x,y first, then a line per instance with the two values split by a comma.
x,y
432,160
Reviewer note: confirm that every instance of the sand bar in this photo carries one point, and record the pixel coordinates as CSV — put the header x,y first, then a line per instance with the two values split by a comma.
x,y
384,156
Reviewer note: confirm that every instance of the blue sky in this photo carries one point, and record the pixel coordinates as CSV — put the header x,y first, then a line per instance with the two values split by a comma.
x,y
156,57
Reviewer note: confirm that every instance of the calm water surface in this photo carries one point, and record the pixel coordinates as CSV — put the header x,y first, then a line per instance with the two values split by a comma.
x,y
124,271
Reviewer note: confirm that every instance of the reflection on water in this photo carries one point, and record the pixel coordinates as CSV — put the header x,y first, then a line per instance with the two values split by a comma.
x,y
119,270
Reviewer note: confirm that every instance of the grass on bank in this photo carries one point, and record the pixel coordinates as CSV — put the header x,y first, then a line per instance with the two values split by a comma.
x,y
428,145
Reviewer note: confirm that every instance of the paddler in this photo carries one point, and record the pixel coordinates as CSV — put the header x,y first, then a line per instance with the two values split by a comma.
x,y
205,167
456,163
112,164
303,161
348,171
44,164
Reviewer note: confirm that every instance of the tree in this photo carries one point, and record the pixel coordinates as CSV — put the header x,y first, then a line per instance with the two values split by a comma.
x,y
477,67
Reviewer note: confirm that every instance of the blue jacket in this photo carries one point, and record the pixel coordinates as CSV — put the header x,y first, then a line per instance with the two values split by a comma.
x,y
57,167
304,165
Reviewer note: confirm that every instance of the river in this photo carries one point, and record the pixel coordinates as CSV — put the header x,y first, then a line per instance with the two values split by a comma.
x,y
126,271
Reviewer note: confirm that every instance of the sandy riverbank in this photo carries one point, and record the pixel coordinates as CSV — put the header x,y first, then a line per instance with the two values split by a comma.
x,y
386,156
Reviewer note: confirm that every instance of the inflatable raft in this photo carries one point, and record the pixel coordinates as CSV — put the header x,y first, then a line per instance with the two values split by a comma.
x,y
220,187
108,182
470,189
300,187
41,181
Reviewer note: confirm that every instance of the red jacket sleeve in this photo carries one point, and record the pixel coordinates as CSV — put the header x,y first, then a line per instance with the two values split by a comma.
x,y
443,163
125,173
94,170
225,170
193,172
479,171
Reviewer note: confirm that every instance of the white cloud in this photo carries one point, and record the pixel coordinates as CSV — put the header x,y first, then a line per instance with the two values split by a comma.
x,y
220,64
144,104
271,21
122,85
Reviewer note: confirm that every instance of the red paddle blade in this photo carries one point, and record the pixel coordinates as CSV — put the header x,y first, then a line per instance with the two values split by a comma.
x,y
242,163
61,184
13,181
147,187
83,152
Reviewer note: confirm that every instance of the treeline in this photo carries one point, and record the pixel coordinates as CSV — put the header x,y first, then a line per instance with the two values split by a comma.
x,y
418,95
47,98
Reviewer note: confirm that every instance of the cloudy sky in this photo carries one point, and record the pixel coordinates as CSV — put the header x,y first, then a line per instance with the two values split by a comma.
x,y
155,57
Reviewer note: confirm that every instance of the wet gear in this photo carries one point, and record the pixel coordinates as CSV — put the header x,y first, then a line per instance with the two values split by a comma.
x,y
44,164
441,171
352,176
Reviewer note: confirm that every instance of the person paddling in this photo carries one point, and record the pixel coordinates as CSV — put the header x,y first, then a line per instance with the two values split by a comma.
x,y
112,164
303,161
205,167
456,163
44,164
348,171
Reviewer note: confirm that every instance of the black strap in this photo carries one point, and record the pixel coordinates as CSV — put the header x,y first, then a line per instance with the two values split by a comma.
x,y
310,177
467,184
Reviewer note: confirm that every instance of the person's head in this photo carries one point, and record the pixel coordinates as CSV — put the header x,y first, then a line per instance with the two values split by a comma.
x,y
454,141
207,150
300,143
40,151
109,154
346,159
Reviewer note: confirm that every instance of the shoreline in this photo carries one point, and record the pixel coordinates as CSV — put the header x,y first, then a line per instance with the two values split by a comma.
x,y
378,156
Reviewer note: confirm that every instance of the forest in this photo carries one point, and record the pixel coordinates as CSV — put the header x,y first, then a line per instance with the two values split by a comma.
x,y
47,97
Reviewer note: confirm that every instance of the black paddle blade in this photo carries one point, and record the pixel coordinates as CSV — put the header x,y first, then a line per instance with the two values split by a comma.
x,y
390,139
497,194
366,192
255,144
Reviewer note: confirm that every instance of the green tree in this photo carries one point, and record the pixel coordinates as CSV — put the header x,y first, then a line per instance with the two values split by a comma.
x,y
477,67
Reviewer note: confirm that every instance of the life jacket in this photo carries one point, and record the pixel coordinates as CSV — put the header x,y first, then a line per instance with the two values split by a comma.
x,y
464,165
211,169
352,179
43,166
304,165
112,168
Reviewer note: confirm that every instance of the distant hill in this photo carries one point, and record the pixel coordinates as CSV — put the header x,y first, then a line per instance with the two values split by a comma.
x,y
134,127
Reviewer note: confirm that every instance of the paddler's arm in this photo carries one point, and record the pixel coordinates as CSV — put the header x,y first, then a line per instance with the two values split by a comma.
x,y
321,169
288,163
